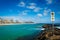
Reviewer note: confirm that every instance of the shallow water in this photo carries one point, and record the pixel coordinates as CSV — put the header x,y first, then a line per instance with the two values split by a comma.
x,y
11,32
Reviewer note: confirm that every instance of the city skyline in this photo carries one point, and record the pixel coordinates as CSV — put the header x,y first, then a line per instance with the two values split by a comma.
x,y
30,10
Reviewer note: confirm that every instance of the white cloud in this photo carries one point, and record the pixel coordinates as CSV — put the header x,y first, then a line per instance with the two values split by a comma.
x,y
9,17
23,13
49,10
39,15
49,1
21,4
46,11
37,9
34,7
31,6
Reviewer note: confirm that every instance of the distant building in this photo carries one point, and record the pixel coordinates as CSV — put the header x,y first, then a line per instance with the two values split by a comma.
x,y
12,21
1,21
9,21
6,21
29,22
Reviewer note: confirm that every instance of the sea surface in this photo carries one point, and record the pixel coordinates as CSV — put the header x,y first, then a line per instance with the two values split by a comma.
x,y
15,32
20,31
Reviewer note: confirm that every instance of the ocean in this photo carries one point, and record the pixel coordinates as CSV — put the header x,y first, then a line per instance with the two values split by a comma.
x,y
19,31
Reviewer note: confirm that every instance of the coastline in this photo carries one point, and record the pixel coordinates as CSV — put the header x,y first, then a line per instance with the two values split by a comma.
x,y
48,34
16,24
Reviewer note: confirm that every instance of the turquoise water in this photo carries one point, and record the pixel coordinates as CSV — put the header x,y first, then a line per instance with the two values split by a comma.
x,y
11,32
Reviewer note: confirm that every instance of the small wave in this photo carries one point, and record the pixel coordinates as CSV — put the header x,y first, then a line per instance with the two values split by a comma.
x,y
58,27
35,29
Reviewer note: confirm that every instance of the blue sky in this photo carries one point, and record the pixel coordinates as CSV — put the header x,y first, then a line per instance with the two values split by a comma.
x,y
30,10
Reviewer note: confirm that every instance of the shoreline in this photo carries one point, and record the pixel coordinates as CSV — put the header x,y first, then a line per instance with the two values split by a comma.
x,y
16,24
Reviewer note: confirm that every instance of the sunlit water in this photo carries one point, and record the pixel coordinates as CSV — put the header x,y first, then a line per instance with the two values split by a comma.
x,y
11,32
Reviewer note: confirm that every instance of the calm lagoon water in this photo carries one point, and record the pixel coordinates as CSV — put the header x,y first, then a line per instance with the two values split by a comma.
x,y
11,32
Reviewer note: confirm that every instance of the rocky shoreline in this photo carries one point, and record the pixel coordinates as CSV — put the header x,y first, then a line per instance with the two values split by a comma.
x,y
47,34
